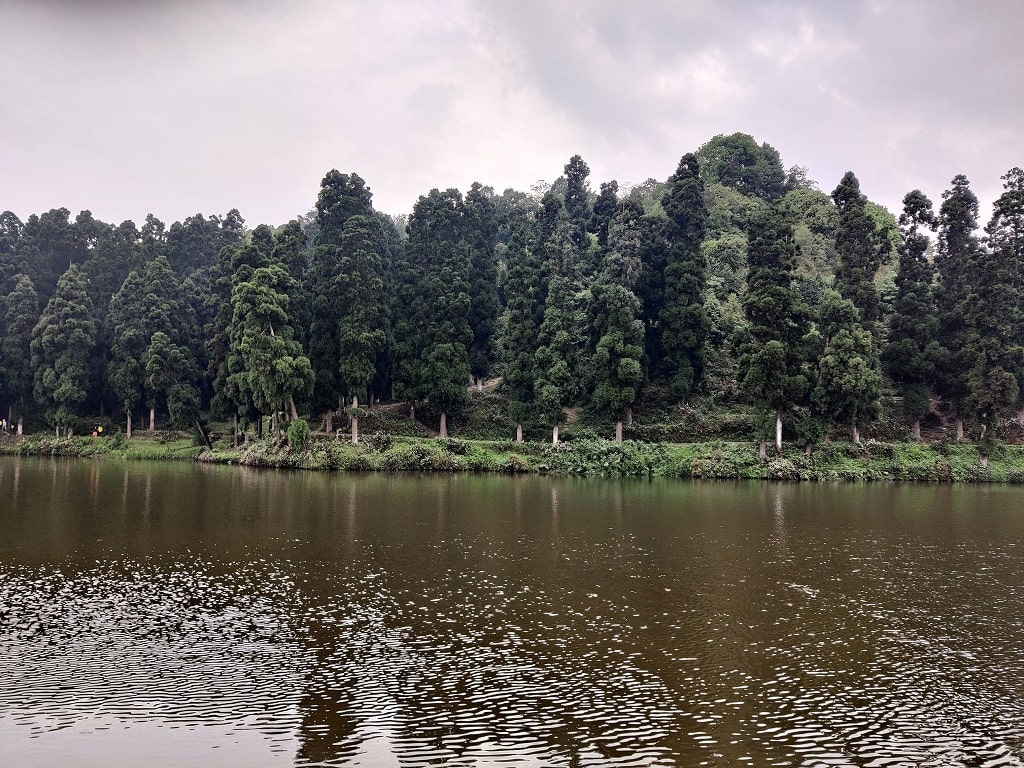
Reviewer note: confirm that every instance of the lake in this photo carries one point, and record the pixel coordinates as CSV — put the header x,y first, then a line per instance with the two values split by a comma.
x,y
172,614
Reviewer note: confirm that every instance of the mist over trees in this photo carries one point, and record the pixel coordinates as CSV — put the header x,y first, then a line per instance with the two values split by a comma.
x,y
734,284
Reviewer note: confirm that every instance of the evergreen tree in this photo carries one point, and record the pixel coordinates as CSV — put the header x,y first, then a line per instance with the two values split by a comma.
x,y
861,250
482,238
437,272
359,290
604,208
522,316
682,320
848,384
21,313
616,327
738,162
341,197
955,259
126,371
772,360
577,203
62,342
912,352
562,337
275,368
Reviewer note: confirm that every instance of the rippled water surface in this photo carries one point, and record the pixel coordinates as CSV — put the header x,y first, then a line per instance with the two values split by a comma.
x,y
175,615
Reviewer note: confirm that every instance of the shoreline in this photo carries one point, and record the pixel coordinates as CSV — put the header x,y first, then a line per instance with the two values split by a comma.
x,y
940,462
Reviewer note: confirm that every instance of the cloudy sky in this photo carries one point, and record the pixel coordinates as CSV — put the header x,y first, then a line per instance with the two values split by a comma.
x,y
175,108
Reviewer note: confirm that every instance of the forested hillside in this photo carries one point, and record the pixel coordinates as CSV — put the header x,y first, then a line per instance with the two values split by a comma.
x,y
733,284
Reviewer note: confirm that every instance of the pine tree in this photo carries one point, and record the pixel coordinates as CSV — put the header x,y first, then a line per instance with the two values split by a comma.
x,y
616,327
955,260
359,291
341,197
21,313
861,250
682,319
912,352
482,238
523,308
62,342
435,359
772,361
126,371
848,385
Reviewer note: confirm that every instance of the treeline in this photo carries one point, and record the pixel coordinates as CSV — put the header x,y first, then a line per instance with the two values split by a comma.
x,y
734,281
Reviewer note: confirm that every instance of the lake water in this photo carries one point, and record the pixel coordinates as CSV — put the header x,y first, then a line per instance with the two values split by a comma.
x,y
180,615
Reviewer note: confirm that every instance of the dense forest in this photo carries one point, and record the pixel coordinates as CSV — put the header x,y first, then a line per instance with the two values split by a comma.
x,y
734,282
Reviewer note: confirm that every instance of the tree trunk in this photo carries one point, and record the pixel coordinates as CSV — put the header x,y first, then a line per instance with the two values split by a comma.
x,y
618,431
412,411
329,421
959,429
554,435
443,432
128,426
916,430
291,405
234,438
856,434
629,416
480,384
519,432
21,424
152,418
762,450
807,450
778,431
355,421
983,462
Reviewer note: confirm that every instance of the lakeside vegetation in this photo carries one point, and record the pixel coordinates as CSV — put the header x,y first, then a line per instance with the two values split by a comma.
x,y
735,302
943,461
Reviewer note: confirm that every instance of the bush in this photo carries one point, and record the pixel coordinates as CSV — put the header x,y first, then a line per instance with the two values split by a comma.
x,y
298,434
378,441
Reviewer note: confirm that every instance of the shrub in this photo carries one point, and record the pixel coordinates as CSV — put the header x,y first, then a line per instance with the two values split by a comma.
x,y
298,434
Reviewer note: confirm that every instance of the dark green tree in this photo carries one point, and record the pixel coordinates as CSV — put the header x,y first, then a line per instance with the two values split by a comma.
x,y
275,369
20,315
616,328
737,161
912,352
682,320
848,385
126,370
577,203
341,197
861,249
435,360
955,259
359,291
604,208
482,238
523,314
62,342
772,364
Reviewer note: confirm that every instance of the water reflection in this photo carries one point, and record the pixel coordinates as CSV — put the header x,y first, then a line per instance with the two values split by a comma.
x,y
300,619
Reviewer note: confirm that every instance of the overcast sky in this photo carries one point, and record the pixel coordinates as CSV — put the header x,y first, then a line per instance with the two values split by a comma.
x,y
175,108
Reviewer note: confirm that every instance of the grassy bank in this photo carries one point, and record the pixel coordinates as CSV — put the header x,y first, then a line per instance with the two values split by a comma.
x,y
942,461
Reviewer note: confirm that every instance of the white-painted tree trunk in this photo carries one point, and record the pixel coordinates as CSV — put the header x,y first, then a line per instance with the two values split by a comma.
x,y
355,421
856,434
778,431
519,432
443,431
618,431
959,429
128,425
554,435
21,425
762,450
152,418
916,430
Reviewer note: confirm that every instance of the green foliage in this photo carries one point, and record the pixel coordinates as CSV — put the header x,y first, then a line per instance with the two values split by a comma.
x,y
298,433
738,162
